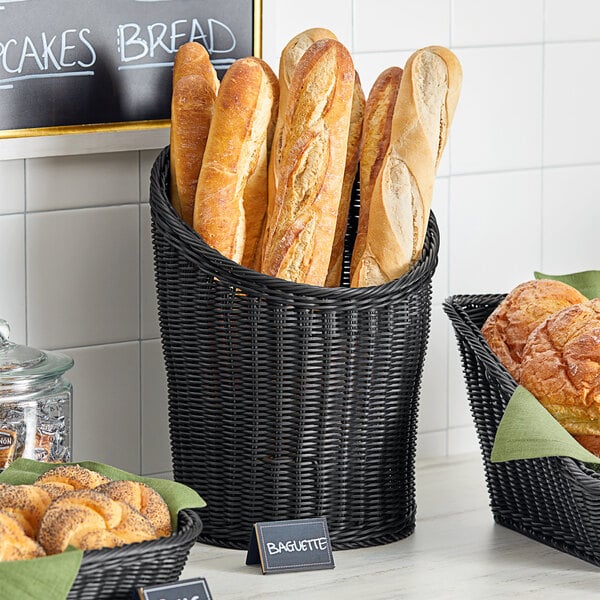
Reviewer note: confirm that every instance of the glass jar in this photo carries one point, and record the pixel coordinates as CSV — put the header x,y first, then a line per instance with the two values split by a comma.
x,y
35,403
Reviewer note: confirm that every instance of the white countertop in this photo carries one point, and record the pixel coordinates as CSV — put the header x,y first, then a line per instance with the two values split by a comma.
x,y
457,551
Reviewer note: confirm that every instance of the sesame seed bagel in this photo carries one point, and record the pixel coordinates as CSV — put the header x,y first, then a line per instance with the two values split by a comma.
x,y
144,499
15,544
27,504
84,518
69,477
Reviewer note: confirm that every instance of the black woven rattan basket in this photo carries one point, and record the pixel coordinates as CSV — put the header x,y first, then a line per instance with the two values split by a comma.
x,y
286,400
113,574
553,500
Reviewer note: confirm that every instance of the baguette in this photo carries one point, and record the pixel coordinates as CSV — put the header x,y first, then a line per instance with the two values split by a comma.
x,y
377,129
256,190
290,56
334,274
310,172
402,192
237,133
195,86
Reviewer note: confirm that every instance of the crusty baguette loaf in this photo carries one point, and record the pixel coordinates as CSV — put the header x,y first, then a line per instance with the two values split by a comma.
x,y
237,133
402,192
195,86
311,170
377,129
290,56
334,274
256,190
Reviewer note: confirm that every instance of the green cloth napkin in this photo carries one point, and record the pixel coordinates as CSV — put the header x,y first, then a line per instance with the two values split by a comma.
x,y
527,429
587,282
53,576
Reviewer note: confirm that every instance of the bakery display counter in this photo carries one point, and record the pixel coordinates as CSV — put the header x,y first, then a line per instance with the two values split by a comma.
x,y
457,551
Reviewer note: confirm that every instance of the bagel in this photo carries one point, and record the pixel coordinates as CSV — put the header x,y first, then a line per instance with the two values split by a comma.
x,y
84,518
144,499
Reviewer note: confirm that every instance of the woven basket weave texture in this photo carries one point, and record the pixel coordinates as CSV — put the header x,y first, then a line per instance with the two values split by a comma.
x,y
553,500
286,400
113,574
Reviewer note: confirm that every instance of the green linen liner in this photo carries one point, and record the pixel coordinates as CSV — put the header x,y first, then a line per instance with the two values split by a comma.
x,y
527,429
53,576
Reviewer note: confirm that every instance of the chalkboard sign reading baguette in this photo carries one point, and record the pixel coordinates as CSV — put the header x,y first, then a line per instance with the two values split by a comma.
x,y
75,65
295,545
190,589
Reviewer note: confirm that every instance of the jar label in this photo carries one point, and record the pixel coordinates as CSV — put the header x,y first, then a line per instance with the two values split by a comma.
x,y
43,444
8,443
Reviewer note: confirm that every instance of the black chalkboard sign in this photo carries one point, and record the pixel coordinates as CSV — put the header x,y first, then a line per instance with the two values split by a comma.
x,y
190,589
108,64
294,545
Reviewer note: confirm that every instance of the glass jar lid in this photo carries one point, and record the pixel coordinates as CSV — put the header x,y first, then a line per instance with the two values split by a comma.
x,y
19,362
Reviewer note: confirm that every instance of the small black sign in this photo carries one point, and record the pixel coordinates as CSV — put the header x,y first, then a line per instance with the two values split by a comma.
x,y
190,589
295,545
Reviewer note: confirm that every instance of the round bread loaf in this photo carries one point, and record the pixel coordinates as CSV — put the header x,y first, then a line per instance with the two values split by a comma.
x,y
506,330
15,544
144,499
67,478
84,518
27,504
561,368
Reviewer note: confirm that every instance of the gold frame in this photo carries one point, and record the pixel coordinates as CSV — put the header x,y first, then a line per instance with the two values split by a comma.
x,y
132,125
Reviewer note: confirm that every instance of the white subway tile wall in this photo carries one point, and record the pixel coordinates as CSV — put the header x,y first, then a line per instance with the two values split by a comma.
x,y
517,191
12,186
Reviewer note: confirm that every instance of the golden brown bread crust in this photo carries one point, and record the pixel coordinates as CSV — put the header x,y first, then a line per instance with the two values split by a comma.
x,y
590,443
238,129
195,85
311,170
507,329
402,193
256,190
334,274
379,110
134,527
27,504
144,499
69,477
561,367
289,59
15,544
80,517
191,112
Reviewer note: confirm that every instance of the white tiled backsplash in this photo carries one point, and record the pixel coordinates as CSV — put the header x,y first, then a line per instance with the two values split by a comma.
x,y
518,191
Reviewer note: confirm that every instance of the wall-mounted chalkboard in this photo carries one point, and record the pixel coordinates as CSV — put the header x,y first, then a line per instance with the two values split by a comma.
x,y
72,65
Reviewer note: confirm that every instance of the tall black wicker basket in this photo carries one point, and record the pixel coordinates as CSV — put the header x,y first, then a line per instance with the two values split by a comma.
x,y
553,500
286,400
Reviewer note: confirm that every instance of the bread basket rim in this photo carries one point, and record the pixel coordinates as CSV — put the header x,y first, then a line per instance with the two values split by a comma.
x,y
187,533
239,276
454,306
